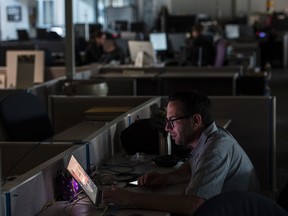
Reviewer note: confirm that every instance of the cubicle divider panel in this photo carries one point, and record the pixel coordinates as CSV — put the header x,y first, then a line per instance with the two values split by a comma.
x,y
66,111
164,80
213,84
36,187
215,70
106,141
43,90
14,162
253,125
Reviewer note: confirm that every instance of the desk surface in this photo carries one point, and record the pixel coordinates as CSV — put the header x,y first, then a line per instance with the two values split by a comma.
x,y
84,208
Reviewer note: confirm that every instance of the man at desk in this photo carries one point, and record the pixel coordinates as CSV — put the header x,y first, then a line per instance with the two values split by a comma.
x,y
216,164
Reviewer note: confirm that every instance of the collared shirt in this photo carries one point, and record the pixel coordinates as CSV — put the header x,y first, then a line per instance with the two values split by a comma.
x,y
219,164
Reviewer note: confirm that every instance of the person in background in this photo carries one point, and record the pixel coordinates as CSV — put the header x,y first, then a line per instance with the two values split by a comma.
x,y
101,50
95,50
216,163
200,50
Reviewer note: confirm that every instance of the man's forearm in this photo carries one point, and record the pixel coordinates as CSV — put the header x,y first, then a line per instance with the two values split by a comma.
x,y
182,174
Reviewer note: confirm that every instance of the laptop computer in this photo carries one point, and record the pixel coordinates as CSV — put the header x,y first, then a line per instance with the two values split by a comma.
x,y
84,180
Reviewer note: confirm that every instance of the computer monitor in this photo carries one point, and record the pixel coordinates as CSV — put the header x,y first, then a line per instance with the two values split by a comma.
x,y
137,26
176,41
246,32
23,34
121,25
180,23
41,33
136,47
159,41
24,68
232,31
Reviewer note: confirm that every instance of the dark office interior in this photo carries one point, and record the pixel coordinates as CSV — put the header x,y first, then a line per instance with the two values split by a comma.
x,y
85,93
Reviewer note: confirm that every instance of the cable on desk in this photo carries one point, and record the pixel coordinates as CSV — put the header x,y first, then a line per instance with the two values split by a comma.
x,y
46,205
105,210
112,168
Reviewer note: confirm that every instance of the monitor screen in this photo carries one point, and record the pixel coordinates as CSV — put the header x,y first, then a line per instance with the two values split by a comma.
x,y
180,23
176,41
159,41
136,47
24,68
232,31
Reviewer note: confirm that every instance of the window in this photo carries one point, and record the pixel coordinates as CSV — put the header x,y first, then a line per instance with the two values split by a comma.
x,y
48,12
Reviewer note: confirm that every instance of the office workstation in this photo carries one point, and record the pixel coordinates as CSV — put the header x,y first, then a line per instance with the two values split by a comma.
x,y
126,92
104,146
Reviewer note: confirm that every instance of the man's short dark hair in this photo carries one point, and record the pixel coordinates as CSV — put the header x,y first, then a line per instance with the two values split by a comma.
x,y
194,102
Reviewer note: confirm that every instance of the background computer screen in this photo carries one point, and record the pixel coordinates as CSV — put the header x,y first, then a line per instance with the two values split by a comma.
x,y
29,63
232,31
176,41
159,41
141,46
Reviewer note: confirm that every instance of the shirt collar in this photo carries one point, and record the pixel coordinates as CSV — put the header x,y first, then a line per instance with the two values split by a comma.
x,y
204,136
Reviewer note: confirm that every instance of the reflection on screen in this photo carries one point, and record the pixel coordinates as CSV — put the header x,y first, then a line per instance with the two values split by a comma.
x,y
82,178
159,41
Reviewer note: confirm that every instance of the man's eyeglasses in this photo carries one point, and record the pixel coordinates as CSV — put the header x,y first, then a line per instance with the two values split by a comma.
x,y
170,122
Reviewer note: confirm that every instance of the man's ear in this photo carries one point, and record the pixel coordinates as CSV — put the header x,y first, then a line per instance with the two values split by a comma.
x,y
197,120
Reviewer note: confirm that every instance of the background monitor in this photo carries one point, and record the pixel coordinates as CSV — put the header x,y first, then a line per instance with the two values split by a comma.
x,y
159,41
137,46
41,33
176,41
246,31
232,31
180,23
23,34
137,26
121,25
24,68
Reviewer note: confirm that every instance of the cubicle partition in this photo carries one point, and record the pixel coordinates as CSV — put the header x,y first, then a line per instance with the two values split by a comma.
x,y
67,111
163,80
105,142
30,171
34,188
253,124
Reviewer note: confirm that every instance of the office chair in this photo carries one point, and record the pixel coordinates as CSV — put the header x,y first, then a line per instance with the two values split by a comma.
x,y
220,48
240,203
24,118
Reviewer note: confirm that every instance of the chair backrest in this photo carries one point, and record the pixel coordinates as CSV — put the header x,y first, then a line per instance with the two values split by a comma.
x,y
240,203
24,118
